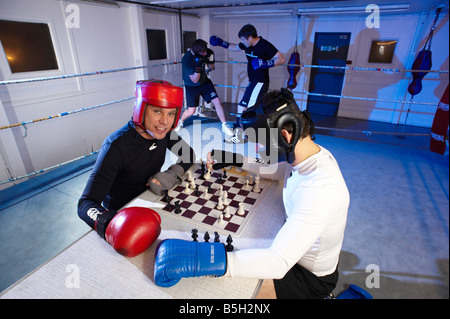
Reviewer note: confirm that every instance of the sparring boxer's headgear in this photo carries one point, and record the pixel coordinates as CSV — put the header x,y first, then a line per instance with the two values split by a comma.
x,y
271,113
158,93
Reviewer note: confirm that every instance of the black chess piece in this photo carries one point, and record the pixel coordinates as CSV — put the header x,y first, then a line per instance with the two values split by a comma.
x,y
206,237
229,247
216,237
177,207
194,234
224,176
197,191
166,197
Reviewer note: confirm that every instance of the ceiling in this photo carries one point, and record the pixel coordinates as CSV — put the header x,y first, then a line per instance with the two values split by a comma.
x,y
205,6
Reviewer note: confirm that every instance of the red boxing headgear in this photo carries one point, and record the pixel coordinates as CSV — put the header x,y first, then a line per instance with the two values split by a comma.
x,y
157,93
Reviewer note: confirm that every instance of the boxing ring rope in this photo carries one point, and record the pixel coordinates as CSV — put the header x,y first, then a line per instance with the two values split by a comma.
x,y
24,123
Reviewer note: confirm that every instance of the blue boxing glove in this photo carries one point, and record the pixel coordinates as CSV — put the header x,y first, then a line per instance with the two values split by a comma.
x,y
176,258
262,64
215,41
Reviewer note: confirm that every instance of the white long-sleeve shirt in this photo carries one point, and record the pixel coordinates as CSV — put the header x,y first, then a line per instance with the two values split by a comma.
x,y
316,202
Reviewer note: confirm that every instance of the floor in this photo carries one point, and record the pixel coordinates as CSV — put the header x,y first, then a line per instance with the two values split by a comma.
x,y
397,237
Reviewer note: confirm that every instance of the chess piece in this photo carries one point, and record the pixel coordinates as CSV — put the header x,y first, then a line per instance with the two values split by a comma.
x,y
197,191
227,212
256,188
187,190
247,187
229,247
220,204
189,176
207,175
206,237
225,198
194,234
224,176
177,207
193,184
221,219
216,237
241,211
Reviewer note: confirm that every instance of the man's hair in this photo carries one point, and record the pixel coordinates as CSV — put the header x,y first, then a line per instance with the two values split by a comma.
x,y
198,46
247,31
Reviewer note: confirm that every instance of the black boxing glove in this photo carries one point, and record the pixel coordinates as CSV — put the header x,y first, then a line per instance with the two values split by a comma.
x,y
199,62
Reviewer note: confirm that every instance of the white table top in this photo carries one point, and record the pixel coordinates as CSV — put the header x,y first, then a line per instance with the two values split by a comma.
x,y
90,268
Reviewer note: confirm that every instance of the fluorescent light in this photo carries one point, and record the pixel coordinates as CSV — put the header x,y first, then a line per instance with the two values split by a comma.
x,y
353,9
252,13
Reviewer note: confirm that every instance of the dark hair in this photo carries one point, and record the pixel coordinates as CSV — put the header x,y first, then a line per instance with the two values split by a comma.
x,y
198,46
247,31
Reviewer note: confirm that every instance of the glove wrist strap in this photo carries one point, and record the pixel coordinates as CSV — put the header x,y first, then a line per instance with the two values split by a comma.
x,y
103,221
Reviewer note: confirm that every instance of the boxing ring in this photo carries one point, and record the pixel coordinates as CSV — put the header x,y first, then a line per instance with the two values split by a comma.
x,y
132,277
24,123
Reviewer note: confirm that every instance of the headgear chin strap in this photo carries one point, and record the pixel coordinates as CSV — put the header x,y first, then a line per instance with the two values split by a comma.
x,y
158,93
269,115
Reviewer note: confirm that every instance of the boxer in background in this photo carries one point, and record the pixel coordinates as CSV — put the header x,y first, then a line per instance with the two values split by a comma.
x,y
261,55
131,158
196,83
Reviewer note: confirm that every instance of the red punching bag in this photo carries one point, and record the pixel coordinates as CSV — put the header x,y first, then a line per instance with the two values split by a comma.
x,y
440,125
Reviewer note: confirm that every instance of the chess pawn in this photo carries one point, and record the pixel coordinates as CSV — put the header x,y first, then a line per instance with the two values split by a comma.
x,y
205,193
227,213
247,186
189,176
207,176
220,204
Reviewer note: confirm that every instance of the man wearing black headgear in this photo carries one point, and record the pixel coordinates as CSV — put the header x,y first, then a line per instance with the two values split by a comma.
x,y
304,255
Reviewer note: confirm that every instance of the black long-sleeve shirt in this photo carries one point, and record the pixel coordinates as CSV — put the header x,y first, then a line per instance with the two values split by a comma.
x,y
125,163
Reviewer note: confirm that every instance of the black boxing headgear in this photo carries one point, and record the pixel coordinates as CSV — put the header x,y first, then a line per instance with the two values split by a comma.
x,y
267,117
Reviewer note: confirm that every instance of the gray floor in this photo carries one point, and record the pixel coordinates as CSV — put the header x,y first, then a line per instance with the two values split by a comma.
x,y
397,237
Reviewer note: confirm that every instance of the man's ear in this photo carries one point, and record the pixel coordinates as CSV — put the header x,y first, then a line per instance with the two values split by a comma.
x,y
287,136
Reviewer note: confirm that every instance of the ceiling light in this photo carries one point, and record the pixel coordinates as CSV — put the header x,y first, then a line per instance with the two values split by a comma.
x,y
353,9
252,13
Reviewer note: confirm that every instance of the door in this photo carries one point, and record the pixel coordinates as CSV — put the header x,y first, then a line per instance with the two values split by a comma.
x,y
330,49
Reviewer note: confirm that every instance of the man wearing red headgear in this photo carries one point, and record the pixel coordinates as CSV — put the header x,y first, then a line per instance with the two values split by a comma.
x,y
131,158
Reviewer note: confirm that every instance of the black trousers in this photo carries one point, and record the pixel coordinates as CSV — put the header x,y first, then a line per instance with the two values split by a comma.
x,y
300,283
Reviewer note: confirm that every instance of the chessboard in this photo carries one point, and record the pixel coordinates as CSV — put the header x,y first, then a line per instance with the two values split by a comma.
x,y
189,202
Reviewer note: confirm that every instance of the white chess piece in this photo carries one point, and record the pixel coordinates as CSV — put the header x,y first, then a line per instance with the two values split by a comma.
x,y
192,184
256,188
205,193
247,186
220,204
221,219
207,175
241,211
220,190
225,198
189,176
227,212
187,190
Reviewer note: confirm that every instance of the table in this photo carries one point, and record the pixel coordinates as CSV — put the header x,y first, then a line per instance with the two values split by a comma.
x,y
91,268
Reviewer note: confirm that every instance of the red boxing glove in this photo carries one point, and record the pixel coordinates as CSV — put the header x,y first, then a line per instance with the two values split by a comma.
x,y
132,230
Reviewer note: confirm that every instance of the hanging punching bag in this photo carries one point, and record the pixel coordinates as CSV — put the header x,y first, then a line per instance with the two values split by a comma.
x,y
440,125
422,63
293,70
